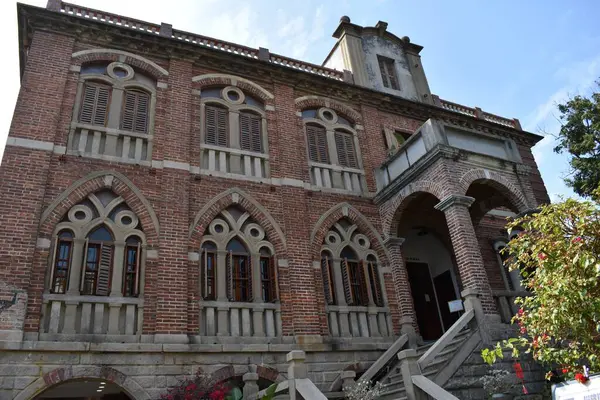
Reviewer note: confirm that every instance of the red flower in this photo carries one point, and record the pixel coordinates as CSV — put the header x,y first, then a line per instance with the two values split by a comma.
x,y
520,312
578,239
565,370
519,370
542,256
523,330
581,378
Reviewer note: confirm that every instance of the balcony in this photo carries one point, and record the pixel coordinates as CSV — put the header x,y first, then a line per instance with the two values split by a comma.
x,y
435,138
250,320
109,144
222,161
66,317
336,177
346,322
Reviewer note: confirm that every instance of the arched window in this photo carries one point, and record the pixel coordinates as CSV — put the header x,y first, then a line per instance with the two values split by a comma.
x,y
332,139
113,97
237,251
349,268
98,249
62,261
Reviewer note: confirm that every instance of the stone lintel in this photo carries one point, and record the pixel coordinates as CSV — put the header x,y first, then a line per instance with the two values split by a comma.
x,y
454,199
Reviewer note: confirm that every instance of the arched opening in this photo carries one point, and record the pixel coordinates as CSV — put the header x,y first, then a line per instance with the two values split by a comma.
x,y
85,389
430,263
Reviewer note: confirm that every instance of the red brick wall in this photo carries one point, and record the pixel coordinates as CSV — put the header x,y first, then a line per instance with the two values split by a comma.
x,y
33,179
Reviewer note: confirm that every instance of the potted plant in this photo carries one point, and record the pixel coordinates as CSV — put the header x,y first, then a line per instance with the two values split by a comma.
x,y
497,384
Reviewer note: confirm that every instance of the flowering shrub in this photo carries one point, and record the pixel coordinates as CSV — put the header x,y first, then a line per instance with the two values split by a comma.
x,y
201,387
558,256
363,390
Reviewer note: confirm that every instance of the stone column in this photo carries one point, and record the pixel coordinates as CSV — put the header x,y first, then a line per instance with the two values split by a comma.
x,y
296,370
409,367
402,289
466,248
116,283
76,266
250,385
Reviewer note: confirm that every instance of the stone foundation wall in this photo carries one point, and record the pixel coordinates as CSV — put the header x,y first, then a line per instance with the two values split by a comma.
x,y
147,370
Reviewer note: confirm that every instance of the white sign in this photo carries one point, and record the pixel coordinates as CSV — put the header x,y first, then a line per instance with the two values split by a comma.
x,y
573,390
456,306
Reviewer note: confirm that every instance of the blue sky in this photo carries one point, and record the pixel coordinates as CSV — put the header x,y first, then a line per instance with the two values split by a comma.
x,y
512,58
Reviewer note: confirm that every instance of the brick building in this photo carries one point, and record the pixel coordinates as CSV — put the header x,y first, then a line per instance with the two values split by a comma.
x,y
171,201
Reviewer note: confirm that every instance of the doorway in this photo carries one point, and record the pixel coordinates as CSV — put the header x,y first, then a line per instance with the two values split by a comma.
x,y
86,389
424,300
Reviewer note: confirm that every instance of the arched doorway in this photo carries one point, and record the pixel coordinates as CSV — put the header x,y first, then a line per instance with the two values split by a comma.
x,y
430,264
84,389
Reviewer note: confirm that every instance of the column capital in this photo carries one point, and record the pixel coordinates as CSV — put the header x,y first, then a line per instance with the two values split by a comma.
x,y
454,199
394,241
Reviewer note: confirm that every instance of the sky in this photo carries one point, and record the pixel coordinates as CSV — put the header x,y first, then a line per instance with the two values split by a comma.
x,y
517,59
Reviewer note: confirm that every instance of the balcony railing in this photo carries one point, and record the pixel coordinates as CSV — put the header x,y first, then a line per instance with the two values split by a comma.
x,y
234,161
90,315
240,319
346,321
112,144
336,177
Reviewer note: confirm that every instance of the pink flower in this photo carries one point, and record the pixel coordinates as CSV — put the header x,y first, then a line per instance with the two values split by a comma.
x,y
542,256
578,239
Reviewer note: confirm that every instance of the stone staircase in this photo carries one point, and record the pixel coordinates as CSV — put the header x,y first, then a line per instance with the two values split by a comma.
x,y
394,386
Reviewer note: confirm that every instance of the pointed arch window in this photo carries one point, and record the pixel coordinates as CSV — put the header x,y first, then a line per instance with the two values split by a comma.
x,y
97,266
268,276
328,277
239,287
208,271
131,270
62,262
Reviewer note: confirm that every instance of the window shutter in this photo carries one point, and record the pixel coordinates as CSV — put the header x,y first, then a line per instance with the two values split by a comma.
x,y
94,105
138,262
376,288
229,266
317,144
362,282
104,267
274,279
203,274
249,280
250,132
84,265
134,116
215,126
327,281
344,143
384,73
347,278
53,265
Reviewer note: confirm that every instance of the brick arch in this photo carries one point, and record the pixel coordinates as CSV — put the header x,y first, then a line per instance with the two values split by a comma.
x,y
135,60
345,210
498,182
236,196
305,102
67,374
392,209
232,80
93,182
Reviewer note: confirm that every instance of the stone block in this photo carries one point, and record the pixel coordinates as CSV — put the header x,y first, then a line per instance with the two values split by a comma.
x,y
19,370
145,381
21,382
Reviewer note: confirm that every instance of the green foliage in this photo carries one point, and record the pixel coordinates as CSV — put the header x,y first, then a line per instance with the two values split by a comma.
x,y
270,393
558,256
580,137
235,394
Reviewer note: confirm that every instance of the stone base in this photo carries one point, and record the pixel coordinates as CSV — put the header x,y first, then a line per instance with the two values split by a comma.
x,y
11,335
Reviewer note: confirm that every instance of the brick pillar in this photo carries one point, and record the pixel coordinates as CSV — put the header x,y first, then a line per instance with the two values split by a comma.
x,y
406,309
466,248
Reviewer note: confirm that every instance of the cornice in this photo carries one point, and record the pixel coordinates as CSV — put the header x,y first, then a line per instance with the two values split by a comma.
x,y
152,45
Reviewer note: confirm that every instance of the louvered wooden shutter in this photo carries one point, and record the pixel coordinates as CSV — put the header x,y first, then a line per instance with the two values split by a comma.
x,y
229,273
215,125
84,265
250,292
203,274
250,132
327,281
53,265
344,143
375,284
362,282
134,115
317,144
94,105
347,278
273,279
138,263
104,269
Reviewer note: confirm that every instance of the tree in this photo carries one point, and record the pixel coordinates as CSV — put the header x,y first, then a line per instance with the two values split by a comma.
x,y
580,136
558,256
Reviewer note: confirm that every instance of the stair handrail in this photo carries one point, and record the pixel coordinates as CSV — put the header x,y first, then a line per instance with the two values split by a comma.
x,y
430,387
446,338
390,355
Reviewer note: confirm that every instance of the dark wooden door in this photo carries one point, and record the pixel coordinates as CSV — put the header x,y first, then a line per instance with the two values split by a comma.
x,y
423,296
444,287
